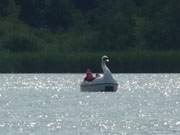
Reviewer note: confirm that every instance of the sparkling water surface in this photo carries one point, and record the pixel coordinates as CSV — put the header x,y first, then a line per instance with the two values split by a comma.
x,y
52,104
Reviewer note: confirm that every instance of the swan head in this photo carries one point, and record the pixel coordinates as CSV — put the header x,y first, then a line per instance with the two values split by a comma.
x,y
105,58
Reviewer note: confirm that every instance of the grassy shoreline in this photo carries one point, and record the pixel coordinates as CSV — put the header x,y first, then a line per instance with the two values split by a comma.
x,y
120,62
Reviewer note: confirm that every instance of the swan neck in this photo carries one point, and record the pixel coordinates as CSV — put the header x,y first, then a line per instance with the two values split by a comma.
x,y
104,67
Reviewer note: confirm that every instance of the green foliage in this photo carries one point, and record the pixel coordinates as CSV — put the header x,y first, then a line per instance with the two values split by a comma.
x,y
38,32
17,37
111,25
9,8
127,62
161,25
21,43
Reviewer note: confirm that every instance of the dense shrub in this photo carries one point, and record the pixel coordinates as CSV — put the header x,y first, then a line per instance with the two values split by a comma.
x,y
21,43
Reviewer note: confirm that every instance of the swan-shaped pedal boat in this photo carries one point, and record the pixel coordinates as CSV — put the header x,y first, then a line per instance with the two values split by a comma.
x,y
104,83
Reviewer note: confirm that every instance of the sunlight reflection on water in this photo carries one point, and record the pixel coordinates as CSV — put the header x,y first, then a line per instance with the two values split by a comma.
x,y
53,104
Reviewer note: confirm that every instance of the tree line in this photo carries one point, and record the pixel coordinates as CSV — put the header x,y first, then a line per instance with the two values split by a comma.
x,y
89,25
56,35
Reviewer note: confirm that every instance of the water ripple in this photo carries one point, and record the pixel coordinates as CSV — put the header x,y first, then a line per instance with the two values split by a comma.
x,y
53,104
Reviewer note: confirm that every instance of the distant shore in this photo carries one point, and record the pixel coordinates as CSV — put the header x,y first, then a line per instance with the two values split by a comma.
x,y
120,62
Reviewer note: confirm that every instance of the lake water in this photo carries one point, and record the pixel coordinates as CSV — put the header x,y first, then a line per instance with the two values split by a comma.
x,y
52,104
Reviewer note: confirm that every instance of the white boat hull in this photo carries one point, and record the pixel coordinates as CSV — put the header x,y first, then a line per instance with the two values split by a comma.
x,y
99,87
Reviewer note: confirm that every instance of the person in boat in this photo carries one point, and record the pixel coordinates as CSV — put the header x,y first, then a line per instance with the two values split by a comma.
x,y
89,75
